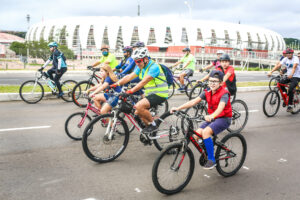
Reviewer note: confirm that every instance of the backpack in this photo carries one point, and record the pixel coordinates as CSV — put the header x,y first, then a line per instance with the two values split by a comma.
x,y
168,73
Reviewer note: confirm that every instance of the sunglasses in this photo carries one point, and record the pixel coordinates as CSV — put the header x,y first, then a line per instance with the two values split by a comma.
x,y
213,82
139,60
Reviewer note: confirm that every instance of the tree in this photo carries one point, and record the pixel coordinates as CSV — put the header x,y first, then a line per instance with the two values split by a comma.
x,y
19,48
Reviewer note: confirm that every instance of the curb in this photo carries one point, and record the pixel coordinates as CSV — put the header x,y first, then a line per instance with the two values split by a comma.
x,y
48,95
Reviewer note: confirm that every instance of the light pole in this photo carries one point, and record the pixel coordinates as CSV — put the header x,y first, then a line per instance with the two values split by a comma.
x,y
28,23
190,9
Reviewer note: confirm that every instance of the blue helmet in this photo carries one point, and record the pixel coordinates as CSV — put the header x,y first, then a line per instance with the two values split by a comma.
x,y
186,49
128,49
139,44
52,44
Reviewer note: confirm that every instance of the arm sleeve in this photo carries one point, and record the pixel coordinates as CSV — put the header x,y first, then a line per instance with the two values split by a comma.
x,y
46,63
202,95
154,71
119,65
137,71
283,61
225,98
128,67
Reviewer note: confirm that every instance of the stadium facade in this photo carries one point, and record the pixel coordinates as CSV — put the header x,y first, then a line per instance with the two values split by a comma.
x,y
85,35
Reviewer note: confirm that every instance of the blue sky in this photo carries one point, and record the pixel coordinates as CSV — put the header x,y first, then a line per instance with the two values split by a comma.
x,y
277,15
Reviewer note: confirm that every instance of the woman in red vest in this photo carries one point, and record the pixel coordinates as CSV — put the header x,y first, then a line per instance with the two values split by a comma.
x,y
219,110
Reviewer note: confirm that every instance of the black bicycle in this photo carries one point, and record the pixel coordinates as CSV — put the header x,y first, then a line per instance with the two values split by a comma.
x,y
174,167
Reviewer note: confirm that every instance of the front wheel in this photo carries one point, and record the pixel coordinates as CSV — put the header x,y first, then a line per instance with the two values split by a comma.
x,y
31,92
67,88
189,87
196,91
171,89
231,154
78,96
173,169
75,125
296,106
239,117
271,103
105,138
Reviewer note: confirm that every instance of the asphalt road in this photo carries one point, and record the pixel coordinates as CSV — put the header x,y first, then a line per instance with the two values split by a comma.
x,y
44,163
20,77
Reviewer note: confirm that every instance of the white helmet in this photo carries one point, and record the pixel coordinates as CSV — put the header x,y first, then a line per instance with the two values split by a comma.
x,y
220,52
140,53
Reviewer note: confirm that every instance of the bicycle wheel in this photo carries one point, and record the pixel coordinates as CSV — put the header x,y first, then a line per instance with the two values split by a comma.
x,y
67,88
171,90
196,91
239,116
189,87
75,125
169,130
77,94
31,92
231,154
196,111
273,83
271,103
107,140
173,169
296,106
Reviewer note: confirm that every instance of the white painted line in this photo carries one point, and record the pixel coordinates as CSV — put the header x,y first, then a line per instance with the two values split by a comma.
x,y
52,182
137,190
245,167
90,199
24,128
205,175
282,160
253,111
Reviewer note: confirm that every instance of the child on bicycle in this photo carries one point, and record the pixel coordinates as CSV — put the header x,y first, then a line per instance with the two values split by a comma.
x,y
219,110
110,100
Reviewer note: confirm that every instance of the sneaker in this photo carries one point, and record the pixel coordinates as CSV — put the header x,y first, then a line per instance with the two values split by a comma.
x,y
181,89
283,104
60,95
209,164
150,129
289,109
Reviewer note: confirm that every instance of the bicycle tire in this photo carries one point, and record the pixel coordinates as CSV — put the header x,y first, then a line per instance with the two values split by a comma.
x,y
196,91
237,115
296,105
24,96
67,88
170,151
189,87
275,100
67,128
78,91
219,155
89,136
171,90
196,111
273,82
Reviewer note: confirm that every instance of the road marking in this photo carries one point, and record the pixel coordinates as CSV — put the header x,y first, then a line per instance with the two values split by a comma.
x,y
253,110
24,128
205,175
137,190
52,182
245,167
282,160
90,199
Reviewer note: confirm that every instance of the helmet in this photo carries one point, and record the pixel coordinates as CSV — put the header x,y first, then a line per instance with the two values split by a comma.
x,y
217,74
52,44
225,57
128,49
289,50
220,52
140,53
138,44
104,46
284,52
186,49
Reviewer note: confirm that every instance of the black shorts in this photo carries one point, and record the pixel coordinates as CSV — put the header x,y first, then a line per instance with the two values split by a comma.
x,y
155,100
188,72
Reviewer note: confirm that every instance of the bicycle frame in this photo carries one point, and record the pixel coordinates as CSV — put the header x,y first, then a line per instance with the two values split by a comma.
x,y
285,99
88,107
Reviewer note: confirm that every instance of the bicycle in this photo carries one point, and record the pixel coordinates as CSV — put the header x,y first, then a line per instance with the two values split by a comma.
x,y
78,96
32,91
272,98
177,161
273,81
188,87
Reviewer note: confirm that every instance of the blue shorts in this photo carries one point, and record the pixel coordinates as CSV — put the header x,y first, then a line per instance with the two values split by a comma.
x,y
111,99
219,125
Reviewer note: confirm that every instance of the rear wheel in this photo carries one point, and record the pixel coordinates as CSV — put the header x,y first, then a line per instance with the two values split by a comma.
x,y
171,90
78,95
75,125
173,169
31,92
196,91
67,88
271,103
296,107
231,154
239,116
189,87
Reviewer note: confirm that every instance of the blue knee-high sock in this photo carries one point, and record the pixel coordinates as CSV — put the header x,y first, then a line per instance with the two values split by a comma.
x,y
209,145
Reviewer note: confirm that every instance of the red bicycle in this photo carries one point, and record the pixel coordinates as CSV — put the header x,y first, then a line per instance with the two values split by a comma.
x,y
271,101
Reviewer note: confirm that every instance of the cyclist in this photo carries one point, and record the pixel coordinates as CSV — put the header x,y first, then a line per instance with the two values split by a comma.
x,y
110,100
214,63
229,79
153,80
137,45
107,58
188,61
219,110
59,66
293,75
126,66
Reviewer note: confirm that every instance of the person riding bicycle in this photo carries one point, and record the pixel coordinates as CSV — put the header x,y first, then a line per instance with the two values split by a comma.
x,y
188,61
137,45
107,58
153,80
110,100
219,110
293,75
59,66
126,66
229,79
216,63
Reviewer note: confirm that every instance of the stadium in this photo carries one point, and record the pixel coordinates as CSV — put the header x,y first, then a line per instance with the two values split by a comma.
x,y
168,35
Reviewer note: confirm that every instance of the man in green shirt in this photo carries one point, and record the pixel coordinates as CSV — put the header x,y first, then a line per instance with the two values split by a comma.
x,y
188,61
107,58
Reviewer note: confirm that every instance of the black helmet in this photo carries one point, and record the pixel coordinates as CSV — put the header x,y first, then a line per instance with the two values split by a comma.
x,y
138,44
186,49
217,74
225,57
